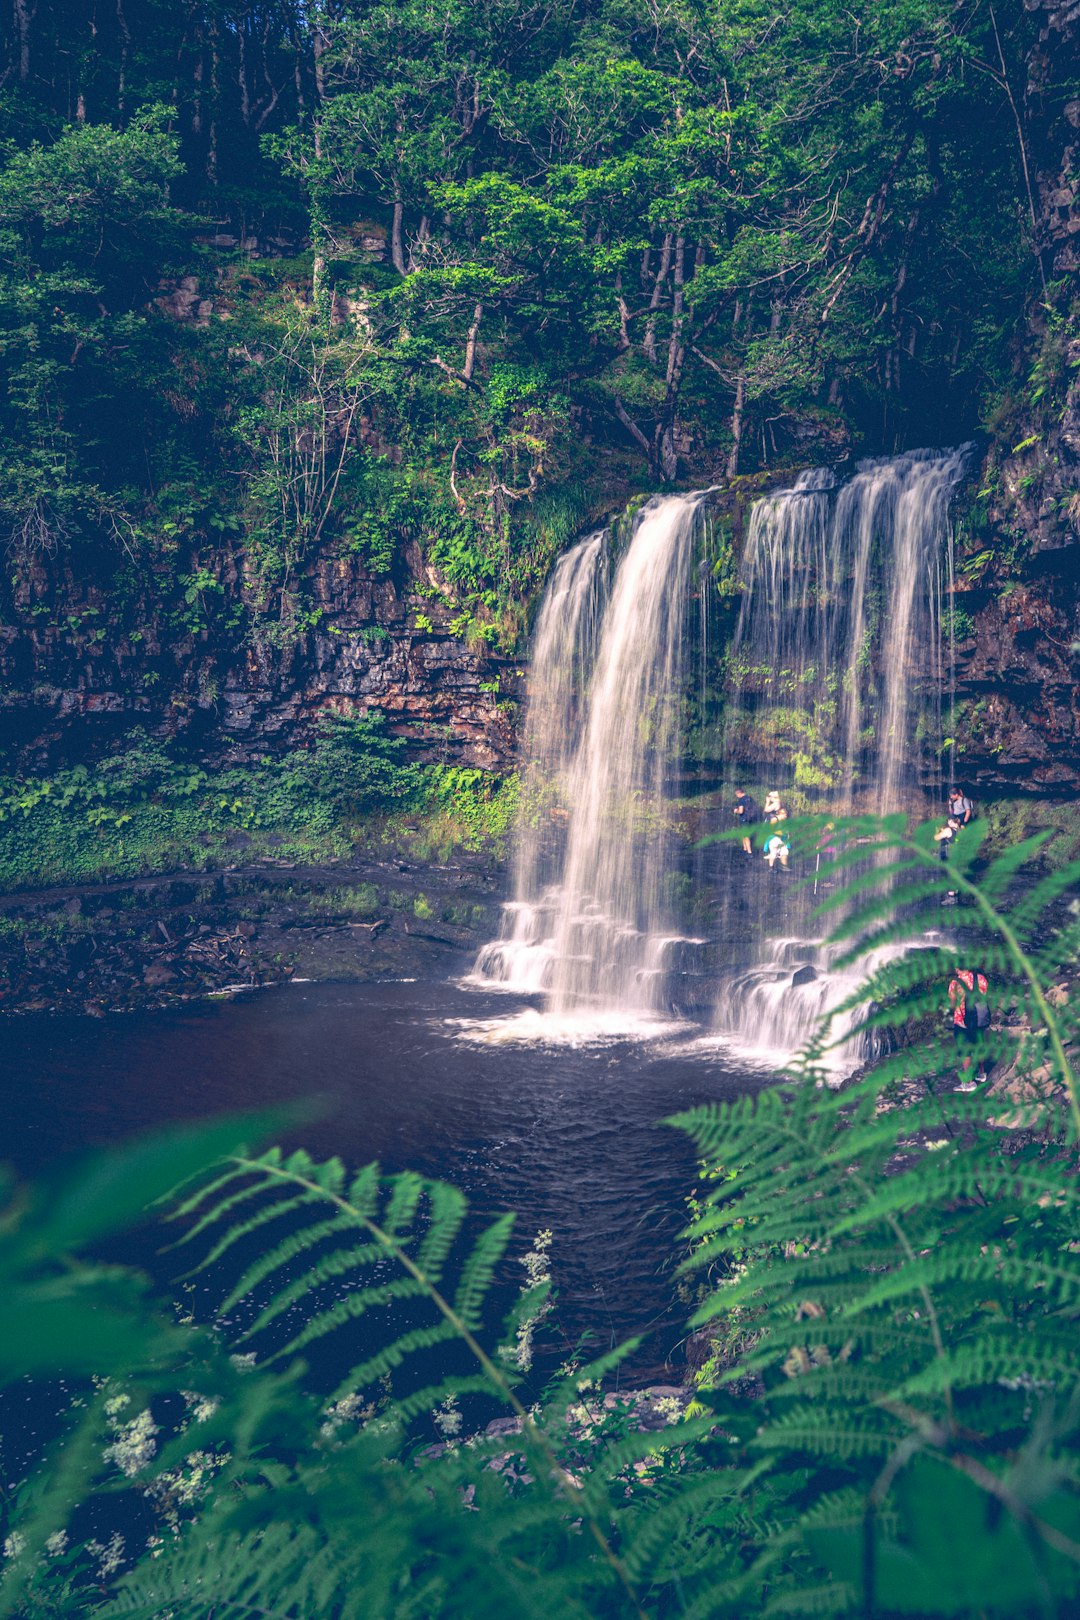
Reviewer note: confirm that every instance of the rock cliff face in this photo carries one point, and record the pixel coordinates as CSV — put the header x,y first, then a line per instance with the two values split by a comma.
x,y
1017,682
1018,671
1053,108
75,674
75,677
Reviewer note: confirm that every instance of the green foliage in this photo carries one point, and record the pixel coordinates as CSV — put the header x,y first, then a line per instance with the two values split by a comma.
x,y
79,1318
1010,821
958,625
84,220
472,807
909,1273
339,1507
148,809
720,554
356,766
414,289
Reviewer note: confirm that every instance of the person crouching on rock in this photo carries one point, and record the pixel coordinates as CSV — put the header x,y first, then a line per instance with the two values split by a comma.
x,y
774,810
944,840
945,835
777,848
748,814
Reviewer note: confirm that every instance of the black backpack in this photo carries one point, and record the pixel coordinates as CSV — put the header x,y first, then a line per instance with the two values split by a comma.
x,y
976,1010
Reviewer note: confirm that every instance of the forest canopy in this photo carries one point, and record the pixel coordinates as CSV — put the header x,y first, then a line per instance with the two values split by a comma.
x,y
463,246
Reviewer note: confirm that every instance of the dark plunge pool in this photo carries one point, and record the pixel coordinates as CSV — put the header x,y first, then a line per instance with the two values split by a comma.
x,y
416,1075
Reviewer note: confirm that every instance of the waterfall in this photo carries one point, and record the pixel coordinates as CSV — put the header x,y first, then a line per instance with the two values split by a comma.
x,y
839,634
562,654
589,922
835,678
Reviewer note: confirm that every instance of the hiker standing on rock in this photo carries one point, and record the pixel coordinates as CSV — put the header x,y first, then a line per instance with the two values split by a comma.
x,y
961,808
971,1015
748,814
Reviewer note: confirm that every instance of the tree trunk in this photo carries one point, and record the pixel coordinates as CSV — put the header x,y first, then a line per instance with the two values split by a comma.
x,y
242,76
624,317
319,43
634,431
125,46
422,234
215,86
298,79
736,427
675,340
470,344
319,300
649,344
24,17
667,459
197,104
397,252
667,455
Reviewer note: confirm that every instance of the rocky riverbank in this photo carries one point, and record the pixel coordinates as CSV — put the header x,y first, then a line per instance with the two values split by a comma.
x,y
159,940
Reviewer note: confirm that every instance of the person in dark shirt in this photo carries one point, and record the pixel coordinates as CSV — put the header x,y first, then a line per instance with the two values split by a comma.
x,y
945,835
747,814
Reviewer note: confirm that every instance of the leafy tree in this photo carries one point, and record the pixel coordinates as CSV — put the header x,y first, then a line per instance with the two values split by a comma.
x,y
85,226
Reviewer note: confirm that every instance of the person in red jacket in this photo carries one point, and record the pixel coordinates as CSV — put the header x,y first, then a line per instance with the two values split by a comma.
x,y
971,1013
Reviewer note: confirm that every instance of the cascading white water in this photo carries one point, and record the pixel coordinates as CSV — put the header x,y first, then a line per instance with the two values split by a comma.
x,y
770,1010
588,924
563,652
612,910
836,659
834,667
839,629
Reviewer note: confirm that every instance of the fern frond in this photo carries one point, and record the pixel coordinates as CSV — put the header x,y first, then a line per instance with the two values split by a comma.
x,y
479,1271
448,1210
364,1192
281,1255
321,1270
349,1309
406,1192
218,1211
275,1209
206,1188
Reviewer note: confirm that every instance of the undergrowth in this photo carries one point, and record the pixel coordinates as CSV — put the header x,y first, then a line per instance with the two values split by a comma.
x,y
145,809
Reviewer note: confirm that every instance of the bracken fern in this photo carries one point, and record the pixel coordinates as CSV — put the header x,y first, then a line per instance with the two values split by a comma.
x,y
908,1256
